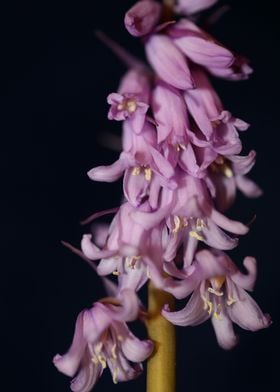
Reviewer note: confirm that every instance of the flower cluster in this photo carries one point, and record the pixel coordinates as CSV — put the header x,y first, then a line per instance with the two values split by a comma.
x,y
181,170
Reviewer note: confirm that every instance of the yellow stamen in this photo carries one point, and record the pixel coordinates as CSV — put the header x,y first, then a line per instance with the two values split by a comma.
x,y
217,312
102,361
230,301
94,360
115,375
212,291
113,351
227,171
195,235
210,306
131,105
148,174
177,223
116,273
136,171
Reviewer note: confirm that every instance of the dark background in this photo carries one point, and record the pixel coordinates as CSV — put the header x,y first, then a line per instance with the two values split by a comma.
x,y
56,76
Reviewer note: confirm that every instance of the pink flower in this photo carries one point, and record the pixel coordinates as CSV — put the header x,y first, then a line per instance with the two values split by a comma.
x,y
190,217
142,17
168,62
226,175
103,339
145,167
131,101
219,293
170,114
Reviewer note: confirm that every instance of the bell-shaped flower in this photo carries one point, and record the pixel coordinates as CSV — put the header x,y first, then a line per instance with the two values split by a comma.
x,y
142,17
131,102
215,124
145,167
219,293
191,217
130,251
102,339
226,175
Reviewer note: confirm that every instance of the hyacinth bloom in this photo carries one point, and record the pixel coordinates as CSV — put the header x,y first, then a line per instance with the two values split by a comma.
x,y
219,293
181,163
103,339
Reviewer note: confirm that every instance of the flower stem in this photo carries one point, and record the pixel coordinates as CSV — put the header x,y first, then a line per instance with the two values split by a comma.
x,y
161,370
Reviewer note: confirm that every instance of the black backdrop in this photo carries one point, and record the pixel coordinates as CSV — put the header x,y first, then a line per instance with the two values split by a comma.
x,y
56,78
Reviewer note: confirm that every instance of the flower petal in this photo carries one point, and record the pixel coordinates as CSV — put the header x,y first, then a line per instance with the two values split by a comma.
x,y
224,331
192,314
246,313
248,187
228,224
204,52
87,376
70,362
109,173
168,62
92,252
246,281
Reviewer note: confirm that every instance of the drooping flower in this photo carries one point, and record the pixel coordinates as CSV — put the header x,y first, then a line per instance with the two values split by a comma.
x,y
103,339
226,175
219,293
191,217
145,167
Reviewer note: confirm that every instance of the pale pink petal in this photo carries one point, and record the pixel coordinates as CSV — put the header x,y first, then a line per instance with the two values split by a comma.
x,y
109,173
192,314
108,266
246,313
148,220
248,187
169,109
135,187
87,376
246,281
204,52
91,251
243,164
134,349
168,62
224,331
70,362
216,238
228,224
